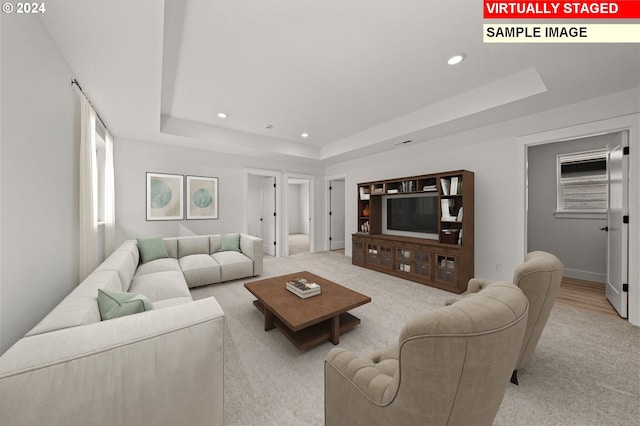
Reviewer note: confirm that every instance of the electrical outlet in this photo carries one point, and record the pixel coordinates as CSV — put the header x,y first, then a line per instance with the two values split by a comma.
x,y
498,267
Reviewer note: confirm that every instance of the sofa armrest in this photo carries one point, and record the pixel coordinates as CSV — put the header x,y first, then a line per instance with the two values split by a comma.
x,y
163,366
251,247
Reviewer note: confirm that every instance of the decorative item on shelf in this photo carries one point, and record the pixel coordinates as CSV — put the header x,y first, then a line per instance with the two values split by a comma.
x,y
364,227
365,211
450,236
364,193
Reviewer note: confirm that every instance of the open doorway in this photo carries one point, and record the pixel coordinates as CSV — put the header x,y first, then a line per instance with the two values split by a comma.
x,y
261,214
570,187
299,220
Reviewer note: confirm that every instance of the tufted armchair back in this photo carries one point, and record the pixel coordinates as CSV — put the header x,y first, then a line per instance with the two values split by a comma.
x,y
450,366
539,278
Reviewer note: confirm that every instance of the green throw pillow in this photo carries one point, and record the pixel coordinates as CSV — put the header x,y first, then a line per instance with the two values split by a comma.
x,y
151,249
114,304
230,242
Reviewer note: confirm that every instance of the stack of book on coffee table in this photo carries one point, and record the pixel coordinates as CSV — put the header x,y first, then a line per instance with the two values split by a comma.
x,y
303,288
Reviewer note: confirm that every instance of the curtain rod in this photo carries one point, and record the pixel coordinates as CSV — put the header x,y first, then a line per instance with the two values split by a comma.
x,y
74,81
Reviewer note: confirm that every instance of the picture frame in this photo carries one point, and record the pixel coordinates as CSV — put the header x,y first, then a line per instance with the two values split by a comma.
x,y
202,197
165,196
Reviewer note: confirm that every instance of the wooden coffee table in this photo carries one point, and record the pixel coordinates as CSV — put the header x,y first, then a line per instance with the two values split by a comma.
x,y
306,322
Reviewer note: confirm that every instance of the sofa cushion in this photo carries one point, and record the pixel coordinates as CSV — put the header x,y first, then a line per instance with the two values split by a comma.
x,y
198,244
171,245
233,265
115,304
80,307
161,285
215,243
151,249
230,242
200,269
124,263
159,265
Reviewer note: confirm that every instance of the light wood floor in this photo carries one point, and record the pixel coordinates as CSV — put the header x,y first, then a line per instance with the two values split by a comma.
x,y
585,295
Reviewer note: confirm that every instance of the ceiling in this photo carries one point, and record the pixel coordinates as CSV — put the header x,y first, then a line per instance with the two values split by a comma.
x,y
357,76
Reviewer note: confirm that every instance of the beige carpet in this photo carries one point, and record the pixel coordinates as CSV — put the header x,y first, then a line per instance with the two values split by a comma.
x,y
298,243
586,370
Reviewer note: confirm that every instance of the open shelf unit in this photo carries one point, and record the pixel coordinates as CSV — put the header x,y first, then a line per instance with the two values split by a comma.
x,y
446,262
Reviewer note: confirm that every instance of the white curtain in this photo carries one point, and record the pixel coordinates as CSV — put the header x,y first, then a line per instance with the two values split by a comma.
x,y
109,195
88,186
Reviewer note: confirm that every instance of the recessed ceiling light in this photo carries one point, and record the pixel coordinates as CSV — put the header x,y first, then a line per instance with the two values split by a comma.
x,y
268,126
305,135
223,115
456,59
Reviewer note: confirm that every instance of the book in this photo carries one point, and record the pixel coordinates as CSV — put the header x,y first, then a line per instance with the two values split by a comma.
x,y
303,295
454,185
446,206
303,285
445,184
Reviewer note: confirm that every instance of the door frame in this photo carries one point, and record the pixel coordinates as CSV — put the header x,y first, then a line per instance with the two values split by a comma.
x,y
278,177
327,219
630,123
312,221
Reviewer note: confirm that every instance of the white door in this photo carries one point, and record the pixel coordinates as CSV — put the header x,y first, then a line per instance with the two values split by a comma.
x,y
254,205
336,214
617,241
268,219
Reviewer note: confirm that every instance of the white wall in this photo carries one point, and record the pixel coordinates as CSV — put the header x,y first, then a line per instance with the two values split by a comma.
x,y
496,154
133,159
293,204
304,208
298,205
39,179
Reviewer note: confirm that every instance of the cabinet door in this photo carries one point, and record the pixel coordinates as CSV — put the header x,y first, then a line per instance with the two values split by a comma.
x,y
380,255
446,268
358,251
404,260
386,257
423,264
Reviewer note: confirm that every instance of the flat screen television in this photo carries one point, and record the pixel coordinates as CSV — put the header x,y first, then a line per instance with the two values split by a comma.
x,y
411,215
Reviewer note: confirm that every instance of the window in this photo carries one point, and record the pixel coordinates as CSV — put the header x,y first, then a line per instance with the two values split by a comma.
x,y
582,182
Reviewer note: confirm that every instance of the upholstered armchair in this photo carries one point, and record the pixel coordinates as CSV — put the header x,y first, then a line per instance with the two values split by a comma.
x,y
539,278
451,366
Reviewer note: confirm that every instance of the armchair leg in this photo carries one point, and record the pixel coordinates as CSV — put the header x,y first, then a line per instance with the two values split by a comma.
x,y
514,377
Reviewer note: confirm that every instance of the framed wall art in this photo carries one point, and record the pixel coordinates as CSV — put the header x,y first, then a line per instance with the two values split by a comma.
x,y
202,197
165,196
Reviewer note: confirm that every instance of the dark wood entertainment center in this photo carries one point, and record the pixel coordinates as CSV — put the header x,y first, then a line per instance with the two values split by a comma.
x,y
446,261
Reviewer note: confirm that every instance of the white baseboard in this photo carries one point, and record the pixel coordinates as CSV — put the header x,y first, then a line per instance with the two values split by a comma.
x,y
585,275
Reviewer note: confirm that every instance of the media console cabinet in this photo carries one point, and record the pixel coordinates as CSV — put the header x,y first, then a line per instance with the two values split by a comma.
x,y
446,260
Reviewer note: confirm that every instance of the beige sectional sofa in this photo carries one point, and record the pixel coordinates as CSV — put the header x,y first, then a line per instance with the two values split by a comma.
x,y
163,366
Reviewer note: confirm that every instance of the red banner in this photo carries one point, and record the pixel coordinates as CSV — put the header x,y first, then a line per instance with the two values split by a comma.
x,y
623,9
